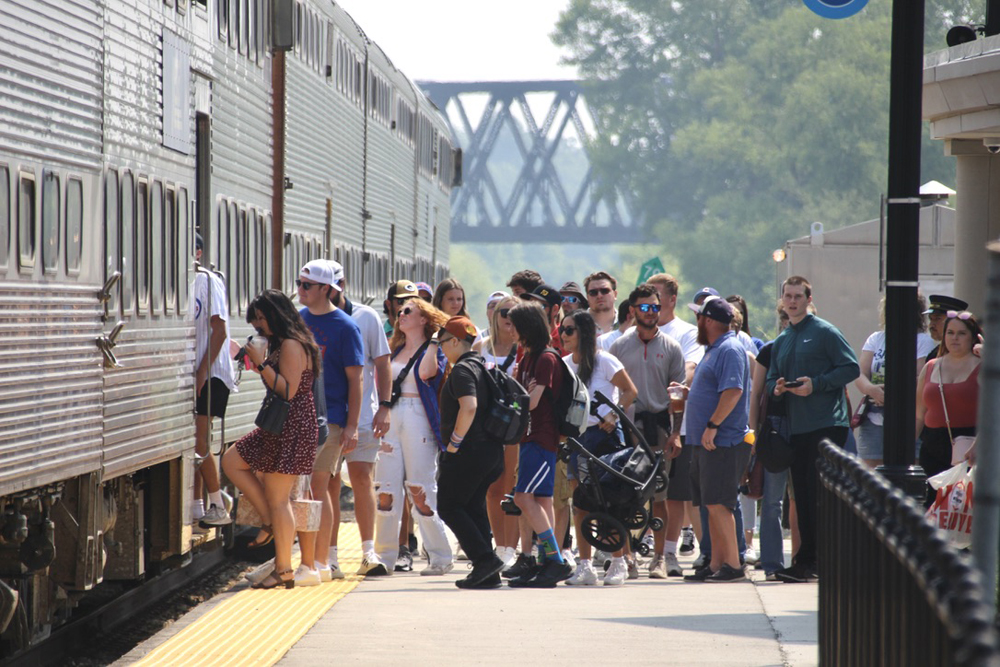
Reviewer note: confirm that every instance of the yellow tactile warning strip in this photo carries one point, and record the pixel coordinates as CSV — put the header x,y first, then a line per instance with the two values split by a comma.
x,y
257,627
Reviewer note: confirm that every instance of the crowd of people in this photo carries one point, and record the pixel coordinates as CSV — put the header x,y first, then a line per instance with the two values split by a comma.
x,y
404,402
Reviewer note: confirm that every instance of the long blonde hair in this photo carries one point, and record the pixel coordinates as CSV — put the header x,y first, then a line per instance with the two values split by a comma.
x,y
435,320
495,322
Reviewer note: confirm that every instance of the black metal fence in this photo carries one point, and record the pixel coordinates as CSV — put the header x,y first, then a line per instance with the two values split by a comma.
x,y
892,591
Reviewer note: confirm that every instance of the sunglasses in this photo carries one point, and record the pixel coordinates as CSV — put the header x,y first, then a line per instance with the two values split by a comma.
x,y
407,311
954,314
567,331
304,285
504,312
649,307
599,290
571,299
400,302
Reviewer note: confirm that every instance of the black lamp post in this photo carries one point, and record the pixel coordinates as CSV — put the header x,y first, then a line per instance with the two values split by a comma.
x,y
903,229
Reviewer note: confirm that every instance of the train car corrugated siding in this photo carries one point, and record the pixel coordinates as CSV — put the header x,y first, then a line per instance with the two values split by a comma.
x,y
50,80
50,385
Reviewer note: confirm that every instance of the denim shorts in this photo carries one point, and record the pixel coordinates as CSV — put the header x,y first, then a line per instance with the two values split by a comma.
x,y
869,437
536,470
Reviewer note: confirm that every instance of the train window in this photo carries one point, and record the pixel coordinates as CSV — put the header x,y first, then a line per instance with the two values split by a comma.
x,y
298,28
267,268
243,261
330,52
253,242
234,23
74,224
127,210
112,234
222,12
183,249
4,216
232,259
157,247
50,221
142,244
169,250
245,27
253,28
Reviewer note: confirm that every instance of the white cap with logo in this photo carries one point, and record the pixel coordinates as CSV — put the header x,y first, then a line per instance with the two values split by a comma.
x,y
321,271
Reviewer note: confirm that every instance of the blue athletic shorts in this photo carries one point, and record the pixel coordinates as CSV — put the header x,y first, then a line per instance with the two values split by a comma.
x,y
536,470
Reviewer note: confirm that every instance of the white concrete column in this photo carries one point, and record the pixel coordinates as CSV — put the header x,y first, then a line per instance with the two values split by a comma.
x,y
977,222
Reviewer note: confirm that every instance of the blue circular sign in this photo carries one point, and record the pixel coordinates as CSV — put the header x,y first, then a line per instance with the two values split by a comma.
x,y
836,9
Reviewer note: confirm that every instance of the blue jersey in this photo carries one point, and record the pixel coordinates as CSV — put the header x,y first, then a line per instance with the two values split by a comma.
x,y
340,346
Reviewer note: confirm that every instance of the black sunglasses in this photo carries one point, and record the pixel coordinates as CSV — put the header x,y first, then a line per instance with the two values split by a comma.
x,y
400,302
571,299
504,312
599,290
567,331
407,311
649,307
304,285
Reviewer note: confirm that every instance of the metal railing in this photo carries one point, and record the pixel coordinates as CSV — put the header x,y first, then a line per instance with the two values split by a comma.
x,y
892,591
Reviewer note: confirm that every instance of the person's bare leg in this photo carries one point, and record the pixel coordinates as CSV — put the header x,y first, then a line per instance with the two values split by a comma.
x,y
660,536
252,488
333,487
317,555
498,523
562,516
693,518
722,526
360,473
675,520
277,489
582,545
209,473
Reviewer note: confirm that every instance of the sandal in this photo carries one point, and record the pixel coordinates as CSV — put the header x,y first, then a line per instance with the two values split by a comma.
x,y
275,579
257,542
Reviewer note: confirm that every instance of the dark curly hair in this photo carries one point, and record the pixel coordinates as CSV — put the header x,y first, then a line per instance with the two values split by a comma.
x,y
285,323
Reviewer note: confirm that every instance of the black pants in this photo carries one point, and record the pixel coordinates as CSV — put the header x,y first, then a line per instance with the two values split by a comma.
x,y
463,480
805,480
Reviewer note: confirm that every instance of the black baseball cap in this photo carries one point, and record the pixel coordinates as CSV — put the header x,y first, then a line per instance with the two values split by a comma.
x,y
547,294
942,304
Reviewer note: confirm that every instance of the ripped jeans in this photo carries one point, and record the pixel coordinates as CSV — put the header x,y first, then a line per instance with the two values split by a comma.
x,y
407,460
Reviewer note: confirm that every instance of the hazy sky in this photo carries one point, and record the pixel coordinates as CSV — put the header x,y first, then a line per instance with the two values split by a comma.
x,y
465,40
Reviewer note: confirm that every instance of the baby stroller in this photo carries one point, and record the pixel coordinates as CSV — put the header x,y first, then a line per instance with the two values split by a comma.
x,y
617,488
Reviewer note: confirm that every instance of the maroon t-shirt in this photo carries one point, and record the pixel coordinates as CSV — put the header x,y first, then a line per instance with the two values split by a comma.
x,y
545,370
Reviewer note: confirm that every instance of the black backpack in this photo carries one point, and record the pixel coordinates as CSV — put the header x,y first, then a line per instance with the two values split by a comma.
x,y
507,416
572,405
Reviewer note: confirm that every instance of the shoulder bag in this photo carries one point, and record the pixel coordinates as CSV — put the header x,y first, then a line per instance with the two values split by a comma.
x,y
961,445
397,384
772,447
274,409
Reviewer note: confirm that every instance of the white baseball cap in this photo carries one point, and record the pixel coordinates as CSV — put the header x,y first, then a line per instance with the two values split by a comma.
x,y
320,271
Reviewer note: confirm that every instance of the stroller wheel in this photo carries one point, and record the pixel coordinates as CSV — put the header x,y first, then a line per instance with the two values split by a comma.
x,y
644,549
656,523
637,519
604,532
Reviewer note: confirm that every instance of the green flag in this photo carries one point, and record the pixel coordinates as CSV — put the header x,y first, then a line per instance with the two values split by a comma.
x,y
650,268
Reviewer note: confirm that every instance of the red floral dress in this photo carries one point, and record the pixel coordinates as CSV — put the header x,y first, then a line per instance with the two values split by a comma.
x,y
294,451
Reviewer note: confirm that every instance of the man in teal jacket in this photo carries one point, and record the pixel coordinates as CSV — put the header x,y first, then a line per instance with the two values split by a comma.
x,y
810,366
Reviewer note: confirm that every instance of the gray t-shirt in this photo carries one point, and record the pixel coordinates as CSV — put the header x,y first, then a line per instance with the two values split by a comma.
x,y
652,367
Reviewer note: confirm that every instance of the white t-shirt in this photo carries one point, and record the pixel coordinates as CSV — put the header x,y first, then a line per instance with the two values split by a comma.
x,y
606,366
375,345
876,345
222,366
687,335
604,341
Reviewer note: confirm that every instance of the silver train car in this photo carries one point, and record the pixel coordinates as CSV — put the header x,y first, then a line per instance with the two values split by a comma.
x,y
277,130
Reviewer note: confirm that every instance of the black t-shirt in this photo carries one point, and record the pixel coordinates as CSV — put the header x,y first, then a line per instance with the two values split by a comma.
x,y
774,408
466,379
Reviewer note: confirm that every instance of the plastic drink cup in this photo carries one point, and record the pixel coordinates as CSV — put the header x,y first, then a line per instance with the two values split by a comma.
x,y
677,399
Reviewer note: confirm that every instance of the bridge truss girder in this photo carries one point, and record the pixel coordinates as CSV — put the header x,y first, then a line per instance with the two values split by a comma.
x,y
539,202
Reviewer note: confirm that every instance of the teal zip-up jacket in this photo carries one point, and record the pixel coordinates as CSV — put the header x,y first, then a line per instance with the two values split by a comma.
x,y
816,349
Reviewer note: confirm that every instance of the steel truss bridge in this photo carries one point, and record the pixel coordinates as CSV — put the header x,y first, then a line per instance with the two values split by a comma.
x,y
527,177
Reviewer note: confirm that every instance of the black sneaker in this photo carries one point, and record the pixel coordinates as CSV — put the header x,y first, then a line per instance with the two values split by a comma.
x,y
404,561
551,574
487,569
411,542
725,575
687,541
509,507
796,574
701,574
525,564
493,581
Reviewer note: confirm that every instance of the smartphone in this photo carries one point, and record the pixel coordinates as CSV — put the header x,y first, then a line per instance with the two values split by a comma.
x,y
791,384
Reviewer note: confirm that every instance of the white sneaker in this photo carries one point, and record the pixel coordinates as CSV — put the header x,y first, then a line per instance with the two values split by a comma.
x,y
657,568
260,573
216,516
617,573
584,575
568,557
436,570
673,567
371,566
509,557
305,576
750,556
335,571
325,573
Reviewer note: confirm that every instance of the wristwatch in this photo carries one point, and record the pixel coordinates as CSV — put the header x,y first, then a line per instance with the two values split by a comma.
x,y
712,424
385,404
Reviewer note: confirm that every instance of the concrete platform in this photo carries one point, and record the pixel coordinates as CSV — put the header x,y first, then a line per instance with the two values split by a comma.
x,y
418,620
